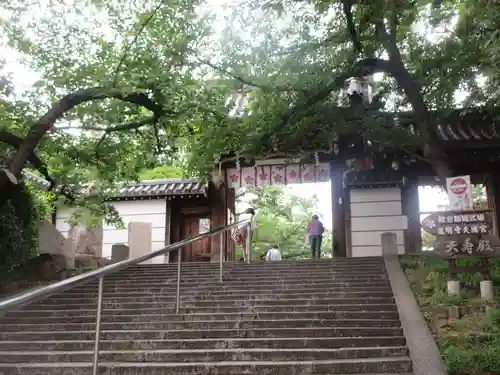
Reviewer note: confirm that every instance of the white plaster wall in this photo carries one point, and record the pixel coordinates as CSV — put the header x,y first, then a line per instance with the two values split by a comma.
x,y
62,216
373,212
149,211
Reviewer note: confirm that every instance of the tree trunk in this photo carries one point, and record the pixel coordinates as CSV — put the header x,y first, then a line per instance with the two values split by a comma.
x,y
7,187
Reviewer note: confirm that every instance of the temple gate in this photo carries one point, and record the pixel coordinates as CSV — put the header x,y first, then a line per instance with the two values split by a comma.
x,y
374,188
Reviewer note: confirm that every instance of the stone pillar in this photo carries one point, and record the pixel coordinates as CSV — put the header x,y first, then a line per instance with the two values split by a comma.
x,y
139,239
454,287
487,292
338,210
51,241
119,252
96,235
389,244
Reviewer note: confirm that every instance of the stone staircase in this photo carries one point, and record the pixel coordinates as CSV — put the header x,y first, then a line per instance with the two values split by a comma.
x,y
283,318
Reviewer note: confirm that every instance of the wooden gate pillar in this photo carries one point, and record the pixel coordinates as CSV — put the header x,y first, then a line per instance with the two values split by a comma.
x,y
217,196
338,210
493,196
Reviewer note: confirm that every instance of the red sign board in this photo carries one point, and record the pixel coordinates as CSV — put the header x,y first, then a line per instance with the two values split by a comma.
x,y
458,186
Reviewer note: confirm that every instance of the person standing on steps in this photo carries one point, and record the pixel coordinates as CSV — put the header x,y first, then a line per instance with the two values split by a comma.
x,y
315,231
240,234
273,254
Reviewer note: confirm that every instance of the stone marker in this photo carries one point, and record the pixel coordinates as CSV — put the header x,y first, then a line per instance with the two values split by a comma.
x,y
487,293
389,244
119,252
139,239
454,288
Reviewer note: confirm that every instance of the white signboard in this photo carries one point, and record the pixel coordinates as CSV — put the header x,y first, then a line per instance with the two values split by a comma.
x,y
459,193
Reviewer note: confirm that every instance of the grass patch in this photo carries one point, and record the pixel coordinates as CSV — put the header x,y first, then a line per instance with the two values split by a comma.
x,y
470,344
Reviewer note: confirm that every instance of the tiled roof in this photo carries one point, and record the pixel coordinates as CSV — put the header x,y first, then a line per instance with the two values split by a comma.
x,y
465,131
162,188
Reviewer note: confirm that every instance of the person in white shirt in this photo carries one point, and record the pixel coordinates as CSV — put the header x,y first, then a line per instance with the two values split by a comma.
x,y
240,234
273,254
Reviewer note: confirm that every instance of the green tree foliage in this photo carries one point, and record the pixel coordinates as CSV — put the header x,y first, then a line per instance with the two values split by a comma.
x,y
297,55
282,220
146,82
115,96
164,171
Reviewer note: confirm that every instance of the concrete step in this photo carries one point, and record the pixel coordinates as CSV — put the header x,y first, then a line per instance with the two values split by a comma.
x,y
255,286
339,366
88,316
245,275
294,279
203,355
261,271
197,334
205,344
352,309
202,302
353,262
201,324
243,293
189,307
284,264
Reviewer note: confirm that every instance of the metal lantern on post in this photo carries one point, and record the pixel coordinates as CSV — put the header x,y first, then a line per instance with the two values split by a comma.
x,y
360,90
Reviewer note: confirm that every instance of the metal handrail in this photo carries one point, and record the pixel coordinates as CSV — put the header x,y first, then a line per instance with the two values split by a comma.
x,y
99,274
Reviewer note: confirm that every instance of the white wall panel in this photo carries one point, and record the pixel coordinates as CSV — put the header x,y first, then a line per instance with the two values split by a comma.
x,y
381,223
376,209
373,212
374,238
371,251
148,211
375,195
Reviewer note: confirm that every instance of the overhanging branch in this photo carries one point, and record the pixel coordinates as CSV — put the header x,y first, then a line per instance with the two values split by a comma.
x,y
67,103
124,127
16,142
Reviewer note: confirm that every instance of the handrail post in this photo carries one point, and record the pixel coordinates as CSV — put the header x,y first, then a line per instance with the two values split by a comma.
x,y
221,258
95,368
178,290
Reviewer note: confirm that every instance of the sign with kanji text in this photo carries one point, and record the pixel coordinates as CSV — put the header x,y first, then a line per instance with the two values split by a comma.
x,y
465,246
459,193
451,223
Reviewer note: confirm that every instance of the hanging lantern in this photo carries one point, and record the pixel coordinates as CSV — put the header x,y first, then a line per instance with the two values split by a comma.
x,y
395,165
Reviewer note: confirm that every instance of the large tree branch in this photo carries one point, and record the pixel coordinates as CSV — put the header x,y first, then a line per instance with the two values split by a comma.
x,y
70,101
413,92
16,142
123,127
351,28
246,81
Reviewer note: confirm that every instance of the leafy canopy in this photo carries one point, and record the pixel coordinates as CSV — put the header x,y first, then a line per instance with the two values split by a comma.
x,y
150,80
